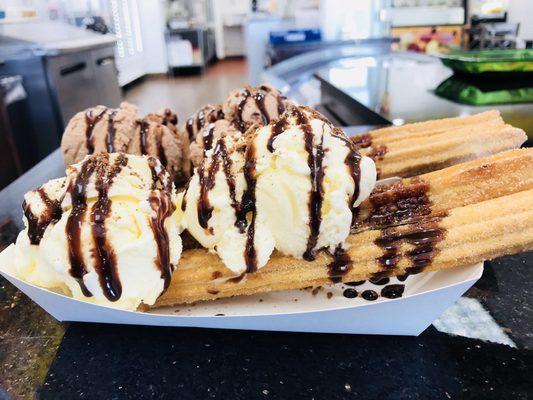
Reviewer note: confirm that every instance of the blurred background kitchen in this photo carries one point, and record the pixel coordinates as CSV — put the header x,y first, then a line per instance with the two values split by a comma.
x,y
360,62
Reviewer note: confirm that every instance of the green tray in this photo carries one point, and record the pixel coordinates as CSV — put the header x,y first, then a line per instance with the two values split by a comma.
x,y
489,61
479,94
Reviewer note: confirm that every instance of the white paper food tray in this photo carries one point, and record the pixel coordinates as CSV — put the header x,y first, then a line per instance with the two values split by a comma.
x,y
425,297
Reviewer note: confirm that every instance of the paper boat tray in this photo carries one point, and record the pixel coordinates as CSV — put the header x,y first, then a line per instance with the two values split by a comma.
x,y
425,297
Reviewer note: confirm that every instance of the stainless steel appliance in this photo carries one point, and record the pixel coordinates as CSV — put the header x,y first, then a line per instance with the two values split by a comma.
x,y
63,69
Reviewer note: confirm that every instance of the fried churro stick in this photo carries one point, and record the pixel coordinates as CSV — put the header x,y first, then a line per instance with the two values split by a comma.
x,y
415,156
462,184
466,236
427,128
414,149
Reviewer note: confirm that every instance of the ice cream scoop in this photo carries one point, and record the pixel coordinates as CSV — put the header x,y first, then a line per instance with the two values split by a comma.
x,y
206,115
106,234
98,129
254,105
105,130
207,137
292,185
152,137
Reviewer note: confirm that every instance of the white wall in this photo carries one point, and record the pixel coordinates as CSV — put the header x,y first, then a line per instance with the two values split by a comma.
x,y
522,11
153,20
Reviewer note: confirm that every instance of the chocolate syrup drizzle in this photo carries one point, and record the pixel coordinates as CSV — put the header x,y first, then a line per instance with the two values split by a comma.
x,y
278,128
163,207
248,206
105,259
143,124
208,137
104,255
189,128
316,195
73,226
201,119
90,122
352,161
259,99
423,236
377,153
38,224
207,182
242,208
111,131
362,141
160,149
399,202
340,265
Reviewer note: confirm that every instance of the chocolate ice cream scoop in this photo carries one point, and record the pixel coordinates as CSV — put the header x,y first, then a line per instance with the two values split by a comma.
x,y
208,136
98,130
153,138
105,130
206,115
169,119
254,105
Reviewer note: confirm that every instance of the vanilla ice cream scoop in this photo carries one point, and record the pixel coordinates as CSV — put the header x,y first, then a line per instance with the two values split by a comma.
x,y
106,234
292,185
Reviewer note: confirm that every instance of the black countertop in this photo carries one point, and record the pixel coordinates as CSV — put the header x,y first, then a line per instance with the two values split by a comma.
x,y
482,347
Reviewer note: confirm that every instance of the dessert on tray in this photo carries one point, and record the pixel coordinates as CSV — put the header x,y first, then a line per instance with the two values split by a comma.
x,y
422,147
267,195
105,234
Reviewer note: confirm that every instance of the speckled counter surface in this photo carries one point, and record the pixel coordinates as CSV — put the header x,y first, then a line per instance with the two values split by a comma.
x,y
99,361
482,349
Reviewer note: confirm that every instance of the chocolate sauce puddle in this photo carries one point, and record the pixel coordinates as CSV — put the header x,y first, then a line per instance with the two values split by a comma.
x,y
369,295
38,224
392,291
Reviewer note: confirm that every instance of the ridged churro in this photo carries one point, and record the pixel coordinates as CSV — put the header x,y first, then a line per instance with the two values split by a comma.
x,y
428,146
436,192
428,128
465,236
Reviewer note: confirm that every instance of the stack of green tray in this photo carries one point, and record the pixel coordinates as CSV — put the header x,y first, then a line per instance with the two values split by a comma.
x,y
481,93
490,61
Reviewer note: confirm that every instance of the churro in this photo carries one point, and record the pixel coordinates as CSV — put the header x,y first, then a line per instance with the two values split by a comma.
x,y
419,148
465,236
436,192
